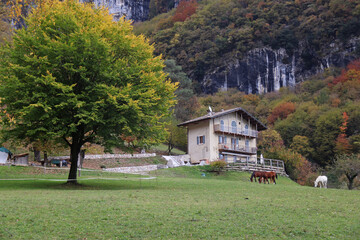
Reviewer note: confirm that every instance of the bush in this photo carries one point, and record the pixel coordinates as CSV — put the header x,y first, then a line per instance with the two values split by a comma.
x,y
297,167
306,174
217,166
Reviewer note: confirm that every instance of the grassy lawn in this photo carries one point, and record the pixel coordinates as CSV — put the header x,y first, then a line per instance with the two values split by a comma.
x,y
178,204
164,148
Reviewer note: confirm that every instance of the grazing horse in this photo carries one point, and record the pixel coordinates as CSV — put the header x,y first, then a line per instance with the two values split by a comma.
x,y
256,174
271,175
264,175
321,181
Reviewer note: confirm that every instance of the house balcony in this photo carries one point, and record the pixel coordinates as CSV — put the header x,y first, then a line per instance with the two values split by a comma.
x,y
235,131
237,149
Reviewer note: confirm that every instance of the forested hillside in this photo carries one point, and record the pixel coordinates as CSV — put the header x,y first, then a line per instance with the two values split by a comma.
x,y
310,126
306,49
208,37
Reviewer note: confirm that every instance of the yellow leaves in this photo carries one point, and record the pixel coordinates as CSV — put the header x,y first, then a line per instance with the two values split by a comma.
x,y
10,118
176,39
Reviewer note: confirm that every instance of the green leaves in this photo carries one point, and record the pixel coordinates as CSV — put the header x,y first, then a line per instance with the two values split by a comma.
x,y
73,71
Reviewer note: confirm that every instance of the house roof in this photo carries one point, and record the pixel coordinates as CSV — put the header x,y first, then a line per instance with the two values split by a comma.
x,y
2,149
212,115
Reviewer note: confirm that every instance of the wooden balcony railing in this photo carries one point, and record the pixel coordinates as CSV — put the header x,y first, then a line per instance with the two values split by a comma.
x,y
235,130
237,148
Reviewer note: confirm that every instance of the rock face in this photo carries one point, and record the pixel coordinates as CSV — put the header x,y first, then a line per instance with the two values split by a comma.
x,y
264,69
136,10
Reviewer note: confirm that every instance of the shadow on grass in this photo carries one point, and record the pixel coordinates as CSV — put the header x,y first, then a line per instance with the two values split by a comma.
x,y
98,184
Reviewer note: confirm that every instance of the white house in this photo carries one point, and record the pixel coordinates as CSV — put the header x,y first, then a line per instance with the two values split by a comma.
x,y
230,135
4,155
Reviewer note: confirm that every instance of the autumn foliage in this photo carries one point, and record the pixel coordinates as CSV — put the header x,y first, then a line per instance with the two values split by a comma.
x,y
342,143
351,73
296,165
306,173
281,111
184,10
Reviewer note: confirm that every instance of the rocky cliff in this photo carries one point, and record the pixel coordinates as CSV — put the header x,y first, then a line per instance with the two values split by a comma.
x,y
264,69
136,10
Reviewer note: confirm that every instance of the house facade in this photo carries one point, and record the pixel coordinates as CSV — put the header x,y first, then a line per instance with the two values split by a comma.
x,y
230,135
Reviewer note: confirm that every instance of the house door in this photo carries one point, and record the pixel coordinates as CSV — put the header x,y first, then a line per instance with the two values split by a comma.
x,y
247,145
234,143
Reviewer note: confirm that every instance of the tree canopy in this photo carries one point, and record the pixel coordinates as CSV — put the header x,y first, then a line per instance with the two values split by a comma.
x,y
74,75
349,165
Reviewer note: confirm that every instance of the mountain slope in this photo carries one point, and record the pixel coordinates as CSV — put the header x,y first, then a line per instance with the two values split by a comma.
x,y
259,46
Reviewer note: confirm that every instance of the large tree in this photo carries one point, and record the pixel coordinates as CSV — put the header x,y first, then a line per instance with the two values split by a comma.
x,y
349,165
74,75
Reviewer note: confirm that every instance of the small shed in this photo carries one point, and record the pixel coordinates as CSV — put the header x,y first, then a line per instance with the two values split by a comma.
x,y
21,159
5,155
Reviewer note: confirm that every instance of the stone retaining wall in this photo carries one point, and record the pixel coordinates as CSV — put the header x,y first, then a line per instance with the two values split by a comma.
x,y
138,169
111,156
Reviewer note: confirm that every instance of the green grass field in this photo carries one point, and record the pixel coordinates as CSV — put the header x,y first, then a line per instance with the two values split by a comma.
x,y
164,148
178,204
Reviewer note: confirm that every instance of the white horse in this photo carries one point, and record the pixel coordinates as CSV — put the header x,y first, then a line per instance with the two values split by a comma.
x,y
322,181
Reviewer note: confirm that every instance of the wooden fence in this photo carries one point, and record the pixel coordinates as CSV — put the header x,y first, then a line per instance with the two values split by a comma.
x,y
258,164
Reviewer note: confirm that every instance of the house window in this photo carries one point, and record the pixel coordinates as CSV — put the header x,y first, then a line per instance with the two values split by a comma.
x,y
233,127
222,139
200,139
222,126
246,129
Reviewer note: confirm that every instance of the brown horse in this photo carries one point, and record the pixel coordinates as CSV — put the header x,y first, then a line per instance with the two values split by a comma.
x,y
271,176
256,174
264,176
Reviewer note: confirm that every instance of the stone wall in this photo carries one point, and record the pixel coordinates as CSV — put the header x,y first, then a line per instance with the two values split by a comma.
x,y
112,156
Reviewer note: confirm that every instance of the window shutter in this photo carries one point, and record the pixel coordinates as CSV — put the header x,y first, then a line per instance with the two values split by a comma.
x,y
220,139
225,140
198,140
204,139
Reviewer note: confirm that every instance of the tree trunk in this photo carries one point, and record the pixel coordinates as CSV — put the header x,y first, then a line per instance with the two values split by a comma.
x,y
170,145
74,158
351,180
170,148
45,159
37,155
